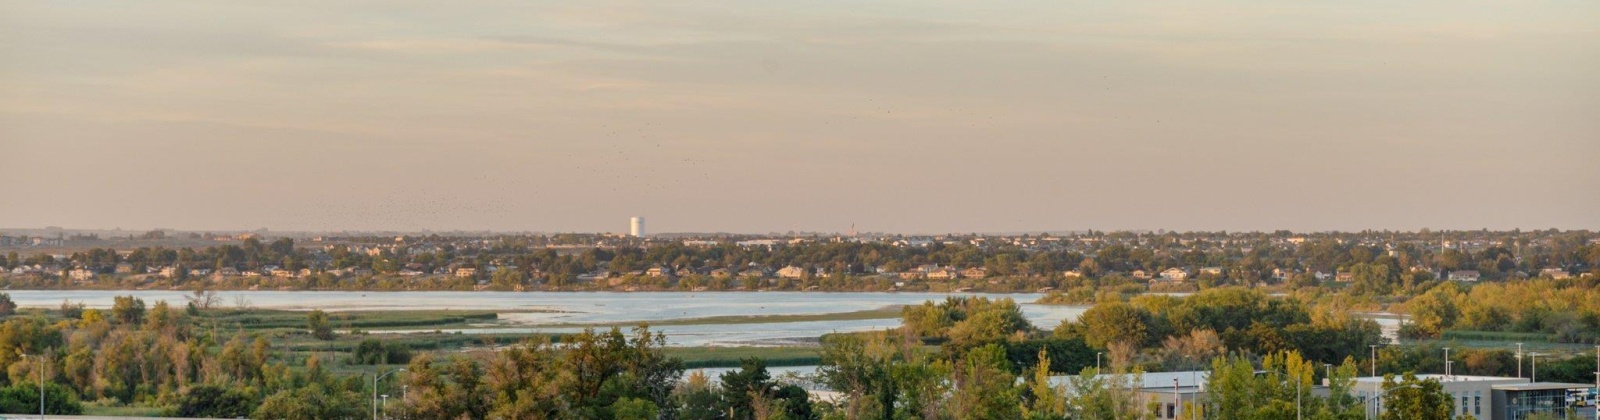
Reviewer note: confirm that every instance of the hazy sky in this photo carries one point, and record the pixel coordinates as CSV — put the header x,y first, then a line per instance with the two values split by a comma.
x,y
918,116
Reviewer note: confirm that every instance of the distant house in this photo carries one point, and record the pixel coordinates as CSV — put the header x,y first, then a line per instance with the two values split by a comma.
x,y
1344,277
1072,273
466,272
282,273
753,272
80,274
1555,273
1141,274
1464,275
791,272
945,273
658,271
975,273
171,272
1174,274
910,275
722,273
1215,271
124,268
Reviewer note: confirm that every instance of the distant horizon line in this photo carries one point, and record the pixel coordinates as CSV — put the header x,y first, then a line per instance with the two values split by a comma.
x,y
6,230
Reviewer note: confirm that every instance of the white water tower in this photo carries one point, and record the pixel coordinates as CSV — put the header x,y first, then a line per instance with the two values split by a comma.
x,y
636,227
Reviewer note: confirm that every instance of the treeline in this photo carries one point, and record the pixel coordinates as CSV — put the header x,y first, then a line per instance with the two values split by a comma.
x,y
1559,310
134,355
1402,264
961,358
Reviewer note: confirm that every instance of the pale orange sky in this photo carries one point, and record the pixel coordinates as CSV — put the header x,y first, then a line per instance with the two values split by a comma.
x,y
907,117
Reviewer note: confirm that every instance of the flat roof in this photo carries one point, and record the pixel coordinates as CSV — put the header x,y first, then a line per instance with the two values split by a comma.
x,y
1541,386
1443,378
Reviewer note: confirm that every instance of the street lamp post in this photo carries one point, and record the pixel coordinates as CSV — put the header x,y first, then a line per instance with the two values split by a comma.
x,y
1177,401
1535,357
1447,362
39,363
1519,360
1097,360
1374,359
375,380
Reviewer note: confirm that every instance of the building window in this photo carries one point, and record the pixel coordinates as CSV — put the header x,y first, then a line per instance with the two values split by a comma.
x,y
1477,403
1171,411
1463,403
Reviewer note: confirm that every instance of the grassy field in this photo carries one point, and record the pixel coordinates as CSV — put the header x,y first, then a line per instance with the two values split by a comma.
x,y
254,319
880,313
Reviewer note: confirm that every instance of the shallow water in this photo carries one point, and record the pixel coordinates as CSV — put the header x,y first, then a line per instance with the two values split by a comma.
x,y
557,312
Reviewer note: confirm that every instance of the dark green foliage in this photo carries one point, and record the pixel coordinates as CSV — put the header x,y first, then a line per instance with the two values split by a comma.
x,y
127,310
23,398
372,351
1065,354
215,402
317,322
7,306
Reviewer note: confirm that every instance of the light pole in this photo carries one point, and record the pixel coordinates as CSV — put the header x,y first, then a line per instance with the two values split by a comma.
x,y
39,362
1327,374
385,406
1535,357
1177,401
1447,362
1374,359
1519,360
1097,361
375,380
1296,392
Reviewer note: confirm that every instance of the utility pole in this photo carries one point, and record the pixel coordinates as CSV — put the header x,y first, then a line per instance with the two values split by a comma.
x,y
1097,361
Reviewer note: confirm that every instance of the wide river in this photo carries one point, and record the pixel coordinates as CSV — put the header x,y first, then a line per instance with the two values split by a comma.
x,y
561,311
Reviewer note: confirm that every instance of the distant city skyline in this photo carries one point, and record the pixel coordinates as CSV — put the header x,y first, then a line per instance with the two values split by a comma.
x,y
900,117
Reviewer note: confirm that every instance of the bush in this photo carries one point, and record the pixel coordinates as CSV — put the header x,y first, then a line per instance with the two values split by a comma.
x,y
215,402
374,352
23,398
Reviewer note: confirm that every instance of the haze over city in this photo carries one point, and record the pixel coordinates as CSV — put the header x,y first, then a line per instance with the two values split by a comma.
x,y
915,117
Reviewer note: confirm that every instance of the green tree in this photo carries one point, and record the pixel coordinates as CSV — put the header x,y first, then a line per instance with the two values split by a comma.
x,y
1411,398
7,306
213,401
127,310
317,322
634,409
1106,323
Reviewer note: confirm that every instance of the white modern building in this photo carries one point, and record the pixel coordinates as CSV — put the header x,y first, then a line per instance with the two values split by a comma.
x,y
1492,397
636,227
